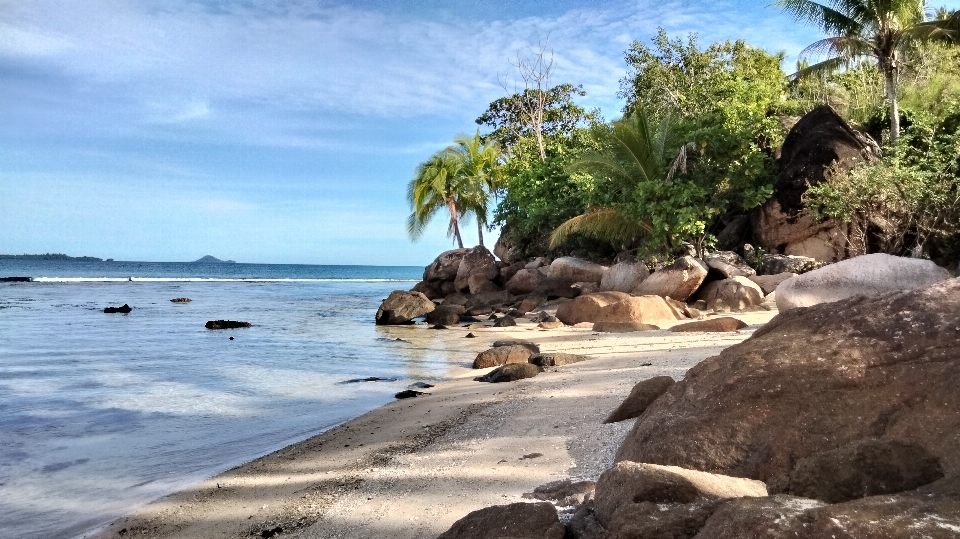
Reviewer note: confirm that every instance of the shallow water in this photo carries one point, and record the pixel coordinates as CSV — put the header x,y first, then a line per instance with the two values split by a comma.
x,y
102,412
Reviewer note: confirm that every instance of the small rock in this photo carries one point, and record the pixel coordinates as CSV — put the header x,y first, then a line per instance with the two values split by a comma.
x,y
409,394
438,326
514,521
557,359
181,300
469,336
124,309
506,321
511,373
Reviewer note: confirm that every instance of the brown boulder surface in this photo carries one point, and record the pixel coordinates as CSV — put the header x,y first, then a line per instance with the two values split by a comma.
x,y
401,307
815,379
556,359
576,270
534,347
736,293
445,314
587,308
445,266
502,355
728,264
478,284
623,277
524,281
477,261
678,280
556,287
643,309
514,521
769,283
622,327
715,325
640,397
531,302
511,373
564,492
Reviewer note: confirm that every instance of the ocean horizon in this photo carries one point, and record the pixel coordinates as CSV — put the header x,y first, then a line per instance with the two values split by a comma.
x,y
105,412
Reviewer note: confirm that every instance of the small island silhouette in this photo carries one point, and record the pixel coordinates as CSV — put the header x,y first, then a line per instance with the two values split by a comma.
x,y
59,257
208,259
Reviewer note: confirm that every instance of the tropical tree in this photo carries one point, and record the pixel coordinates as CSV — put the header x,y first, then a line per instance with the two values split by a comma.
x,y
641,198
480,175
880,29
438,184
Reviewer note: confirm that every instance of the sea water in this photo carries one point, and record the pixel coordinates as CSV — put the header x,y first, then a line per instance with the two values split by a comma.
x,y
100,413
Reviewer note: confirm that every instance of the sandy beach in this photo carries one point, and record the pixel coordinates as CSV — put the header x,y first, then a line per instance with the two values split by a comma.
x,y
413,467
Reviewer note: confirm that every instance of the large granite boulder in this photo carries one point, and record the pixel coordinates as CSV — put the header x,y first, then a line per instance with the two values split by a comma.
x,y
479,262
868,275
587,308
504,250
401,307
820,139
576,270
728,264
643,309
736,293
514,521
445,314
777,264
769,283
678,280
445,266
525,281
478,284
502,355
816,379
556,287
511,373
623,277
640,397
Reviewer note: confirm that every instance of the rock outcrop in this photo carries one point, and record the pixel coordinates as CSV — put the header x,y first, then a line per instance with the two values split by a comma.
x,y
576,270
478,263
728,264
586,308
643,309
502,355
678,280
735,293
869,275
777,264
525,281
401,307
813,380
641,396
623,277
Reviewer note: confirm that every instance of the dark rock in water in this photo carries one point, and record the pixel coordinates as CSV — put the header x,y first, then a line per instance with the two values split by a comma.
x,y
180,300
504,322
510,373
469,336
447,315
226,324
401,307
438,326
231,338
368,379
421,385
125,309
409,394
16,279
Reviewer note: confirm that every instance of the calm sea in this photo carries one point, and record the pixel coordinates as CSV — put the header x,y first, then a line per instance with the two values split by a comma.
x,y
100,413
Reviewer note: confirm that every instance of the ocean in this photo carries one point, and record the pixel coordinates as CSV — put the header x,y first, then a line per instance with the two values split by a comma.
x,y
101,413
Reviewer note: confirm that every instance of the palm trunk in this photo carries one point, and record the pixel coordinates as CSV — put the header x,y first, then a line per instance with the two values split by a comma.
x,y
452,206
480,230
890,76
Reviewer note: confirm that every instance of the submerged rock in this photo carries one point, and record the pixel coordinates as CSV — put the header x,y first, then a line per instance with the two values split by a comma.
x,y
226,324
124,309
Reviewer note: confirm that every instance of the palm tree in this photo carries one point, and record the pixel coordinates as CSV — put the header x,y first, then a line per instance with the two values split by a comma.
x,y
480,172
945,26
437,184
878,29
633,152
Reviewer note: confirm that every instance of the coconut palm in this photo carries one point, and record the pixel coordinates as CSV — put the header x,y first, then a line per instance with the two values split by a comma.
x,y
437,184
945,26
633,151
480,172
878,29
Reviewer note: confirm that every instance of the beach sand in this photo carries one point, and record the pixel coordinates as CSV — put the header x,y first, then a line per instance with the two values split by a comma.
x,y
413,467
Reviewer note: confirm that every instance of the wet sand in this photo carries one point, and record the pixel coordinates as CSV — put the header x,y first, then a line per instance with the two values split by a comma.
x,y
413,467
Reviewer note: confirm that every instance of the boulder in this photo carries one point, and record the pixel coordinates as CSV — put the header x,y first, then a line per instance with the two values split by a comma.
x,y
643,309
623,277
737,293
181,300
820,139
735,233
531,302
505,321
477,284
511,373
447,315
124,309
514,521
641,396
587,308
504,250
556,359
489,298
714,325
564,492
769,283
477,261
813,380
678,280
431,289
502,355
550,322
525,281
226,324
445,266
728,264
869,275
538,262
554,288
401,307
576,270
622,327
777,264
507,272
482,309
587,288
455,298
867,467
534,347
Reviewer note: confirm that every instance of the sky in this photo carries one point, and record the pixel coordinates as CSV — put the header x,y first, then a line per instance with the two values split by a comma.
x,y
284,131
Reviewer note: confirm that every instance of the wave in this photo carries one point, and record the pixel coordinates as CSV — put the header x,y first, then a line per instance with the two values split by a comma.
x,y
211,280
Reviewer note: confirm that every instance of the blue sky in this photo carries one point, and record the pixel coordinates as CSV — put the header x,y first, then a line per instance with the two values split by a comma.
x,y
282,131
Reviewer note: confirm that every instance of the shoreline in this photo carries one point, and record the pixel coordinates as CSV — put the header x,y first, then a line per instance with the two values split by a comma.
x,y
412,467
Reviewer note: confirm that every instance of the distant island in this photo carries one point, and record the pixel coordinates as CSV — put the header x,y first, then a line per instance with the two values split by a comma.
x,y
59,257
212,260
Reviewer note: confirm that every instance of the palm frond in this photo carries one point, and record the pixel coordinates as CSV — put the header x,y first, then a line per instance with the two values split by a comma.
x,y
830,20
601,223
823,68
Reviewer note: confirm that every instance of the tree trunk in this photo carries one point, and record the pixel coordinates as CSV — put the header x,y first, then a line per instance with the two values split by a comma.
x,y
538,130
890,76
480,230
452,206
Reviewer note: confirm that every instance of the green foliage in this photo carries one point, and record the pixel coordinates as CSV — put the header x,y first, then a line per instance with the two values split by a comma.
x,y
561,116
